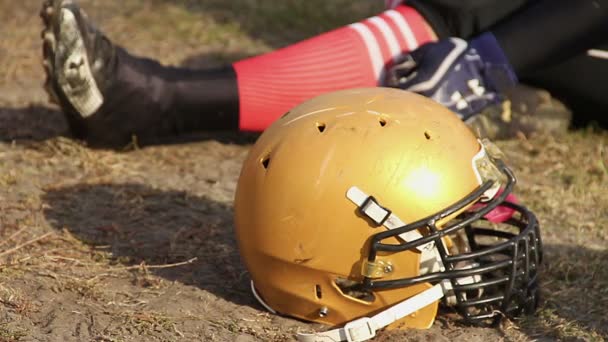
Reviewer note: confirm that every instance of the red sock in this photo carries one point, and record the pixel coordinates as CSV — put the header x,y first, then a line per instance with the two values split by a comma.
x,y
349,57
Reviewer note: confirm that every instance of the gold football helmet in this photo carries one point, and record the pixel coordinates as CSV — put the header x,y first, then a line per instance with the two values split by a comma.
x,y
366,207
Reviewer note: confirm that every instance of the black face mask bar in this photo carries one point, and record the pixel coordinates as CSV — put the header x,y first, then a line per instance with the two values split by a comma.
x,y
504,258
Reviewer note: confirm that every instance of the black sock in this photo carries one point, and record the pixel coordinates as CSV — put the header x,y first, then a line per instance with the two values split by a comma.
x,y
145,99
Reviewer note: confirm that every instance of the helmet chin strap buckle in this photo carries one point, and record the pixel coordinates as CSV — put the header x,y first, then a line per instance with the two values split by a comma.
x,y
364,328
359,330
382,216
374,211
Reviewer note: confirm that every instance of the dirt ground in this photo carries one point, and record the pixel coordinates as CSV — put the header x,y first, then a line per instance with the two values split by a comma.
x,y
137,244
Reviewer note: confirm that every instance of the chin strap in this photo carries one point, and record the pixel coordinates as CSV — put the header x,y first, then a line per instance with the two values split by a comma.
x,y
382,216
365,328
260,300
430,261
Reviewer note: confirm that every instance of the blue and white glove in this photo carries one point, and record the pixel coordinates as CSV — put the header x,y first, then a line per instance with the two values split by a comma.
x,y
465,77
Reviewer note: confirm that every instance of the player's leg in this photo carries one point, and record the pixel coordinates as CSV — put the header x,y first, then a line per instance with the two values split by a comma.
x,y
581,83
352,56
109,95
560,63
451,70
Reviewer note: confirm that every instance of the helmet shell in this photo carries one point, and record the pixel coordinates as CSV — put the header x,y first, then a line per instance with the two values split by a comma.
x,y
297,231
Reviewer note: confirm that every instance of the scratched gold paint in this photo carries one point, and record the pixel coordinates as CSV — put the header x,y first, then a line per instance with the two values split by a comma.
x,y
294,225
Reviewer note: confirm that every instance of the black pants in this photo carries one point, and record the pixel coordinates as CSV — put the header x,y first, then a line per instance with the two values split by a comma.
x,y
581,83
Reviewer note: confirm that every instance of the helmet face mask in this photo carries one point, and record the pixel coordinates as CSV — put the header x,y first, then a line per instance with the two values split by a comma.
x,y
501,259
362,200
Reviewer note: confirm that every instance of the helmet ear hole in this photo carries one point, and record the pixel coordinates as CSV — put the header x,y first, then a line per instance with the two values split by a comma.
x,y
318,291
352,289
427,135
382,122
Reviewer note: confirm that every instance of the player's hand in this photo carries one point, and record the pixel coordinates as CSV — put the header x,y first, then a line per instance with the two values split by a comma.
x,y
465,77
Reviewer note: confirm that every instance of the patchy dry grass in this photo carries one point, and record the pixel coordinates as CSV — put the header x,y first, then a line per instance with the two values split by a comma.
x,y
10,335
564,181
137,245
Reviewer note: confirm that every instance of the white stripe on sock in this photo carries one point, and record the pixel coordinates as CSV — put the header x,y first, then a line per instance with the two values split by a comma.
x,y
404,29
389,36
601,54
373,48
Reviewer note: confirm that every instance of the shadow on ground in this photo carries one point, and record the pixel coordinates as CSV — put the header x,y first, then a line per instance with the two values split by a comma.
x,y
574,281
38,123
141,224
31,123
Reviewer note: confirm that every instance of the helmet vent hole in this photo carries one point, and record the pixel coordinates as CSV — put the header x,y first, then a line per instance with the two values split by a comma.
x,y
382,122
321,127
318,291
266,162
427,135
